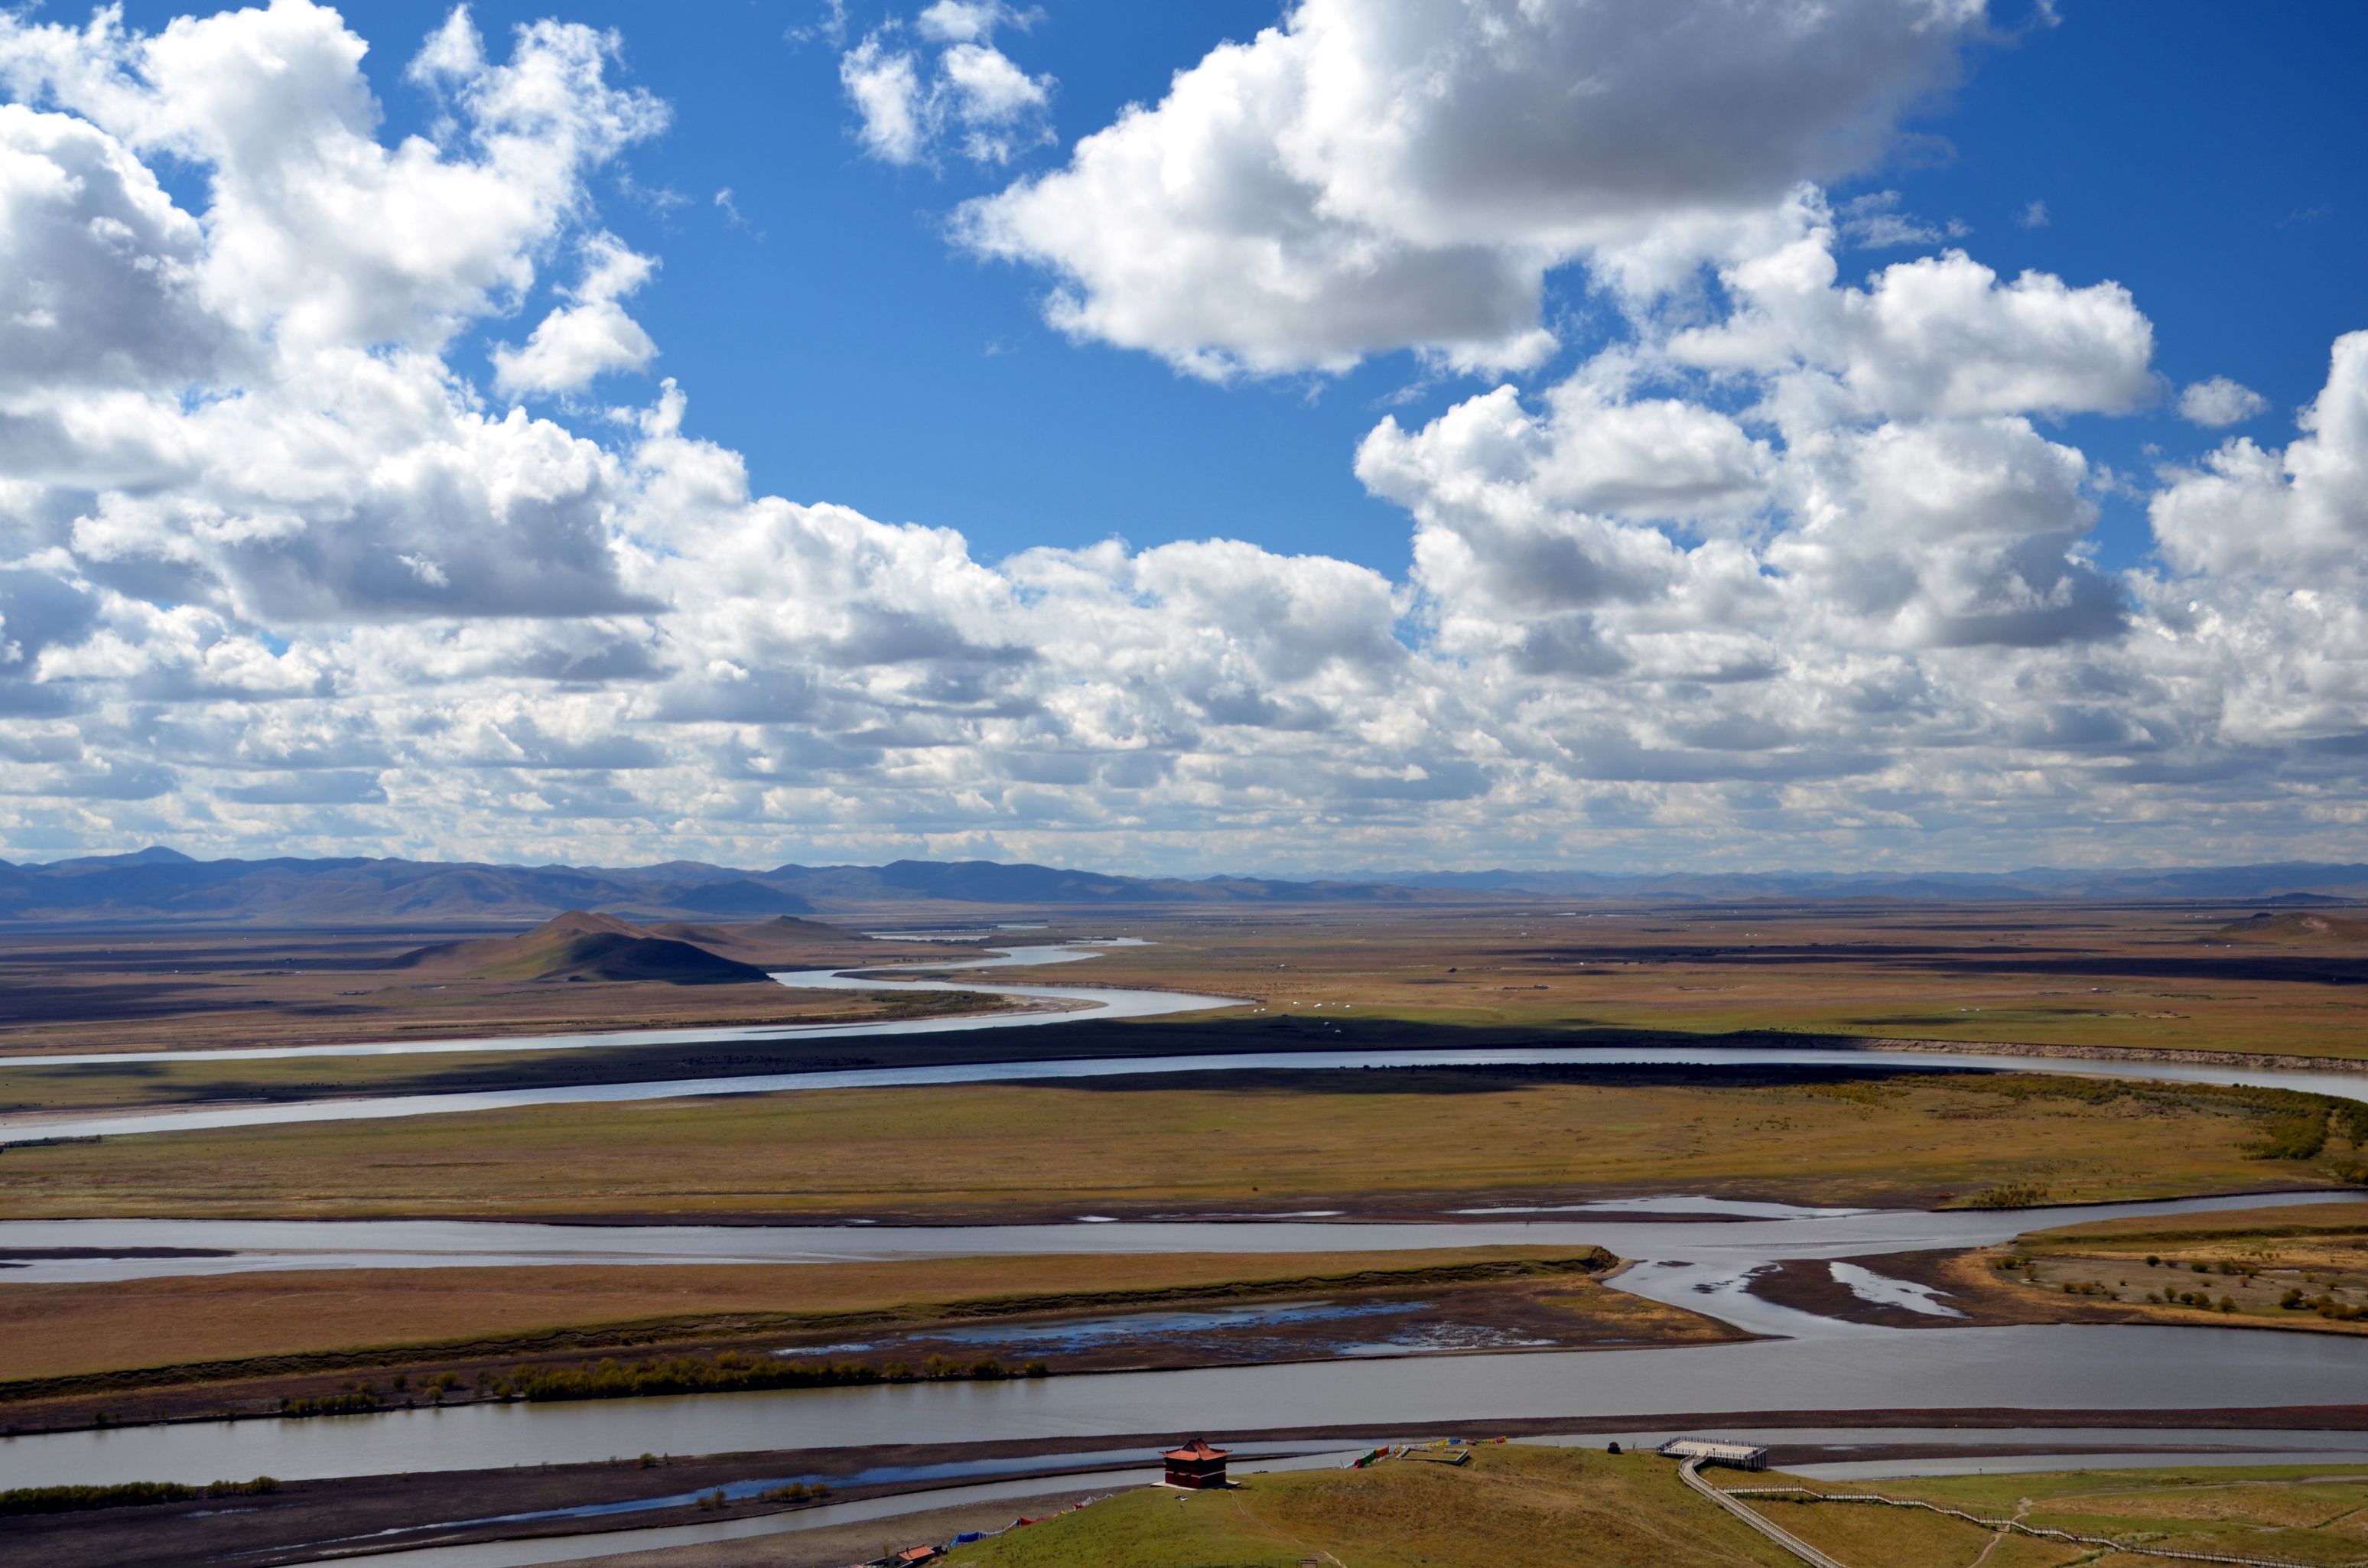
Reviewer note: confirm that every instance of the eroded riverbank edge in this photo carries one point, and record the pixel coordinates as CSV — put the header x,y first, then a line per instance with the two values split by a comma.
x,y
1549,1299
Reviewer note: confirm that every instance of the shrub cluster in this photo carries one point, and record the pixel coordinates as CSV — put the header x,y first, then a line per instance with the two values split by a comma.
x,y
132,1494
2297,1122
733,1373
2200,1300
795,1491
2290,1138
356,1403
2011,1194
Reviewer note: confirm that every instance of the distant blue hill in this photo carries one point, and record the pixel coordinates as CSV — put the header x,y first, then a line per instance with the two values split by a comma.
x,y
163,886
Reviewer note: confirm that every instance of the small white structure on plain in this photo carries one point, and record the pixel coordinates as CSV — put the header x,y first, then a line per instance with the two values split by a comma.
x,y
1742,1456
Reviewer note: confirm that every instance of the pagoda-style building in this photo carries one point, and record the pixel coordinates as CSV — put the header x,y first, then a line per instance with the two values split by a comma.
x,y
1196,1465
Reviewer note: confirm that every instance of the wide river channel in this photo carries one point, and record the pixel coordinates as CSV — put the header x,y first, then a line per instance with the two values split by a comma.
x,y
1692,1251
1080,1002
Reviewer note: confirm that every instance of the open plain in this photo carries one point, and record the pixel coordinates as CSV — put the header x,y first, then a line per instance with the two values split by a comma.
x,y
1360,1133
1372,1143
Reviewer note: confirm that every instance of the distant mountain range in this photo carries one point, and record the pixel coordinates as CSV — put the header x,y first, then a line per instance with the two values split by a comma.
x,y
159,885
2295,881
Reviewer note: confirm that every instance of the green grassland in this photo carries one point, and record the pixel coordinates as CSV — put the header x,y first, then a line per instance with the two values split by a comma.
x,y
1363,1141
2294,1513
1535,1504
1514,1504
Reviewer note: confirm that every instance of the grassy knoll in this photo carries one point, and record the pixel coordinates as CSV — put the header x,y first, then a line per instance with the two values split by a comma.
x,y
1514,1504
2312,1514
327,1317
165,990
282,1010
168,1078
1377,1141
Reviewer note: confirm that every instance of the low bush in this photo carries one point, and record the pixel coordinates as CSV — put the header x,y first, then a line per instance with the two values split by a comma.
x,y
356,1403
131,1493
2291,1138
2011,1194
795,1493
733,1372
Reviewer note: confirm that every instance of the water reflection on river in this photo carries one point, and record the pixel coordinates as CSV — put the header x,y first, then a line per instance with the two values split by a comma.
x,y
2043,1367
1625,1228
2349,1086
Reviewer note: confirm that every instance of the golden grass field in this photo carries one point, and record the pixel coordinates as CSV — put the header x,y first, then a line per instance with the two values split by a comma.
x,y
2045,975
1393,1141
48,1331
2157,978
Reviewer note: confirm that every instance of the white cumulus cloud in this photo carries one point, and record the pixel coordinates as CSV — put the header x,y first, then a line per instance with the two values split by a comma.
x,y
576,343
974,93
2295,514
2219,403
1798,570
1378,174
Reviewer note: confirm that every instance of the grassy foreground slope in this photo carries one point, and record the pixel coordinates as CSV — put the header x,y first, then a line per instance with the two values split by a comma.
x,y
1514,1504
1523,1503
1380,1140
2316,1513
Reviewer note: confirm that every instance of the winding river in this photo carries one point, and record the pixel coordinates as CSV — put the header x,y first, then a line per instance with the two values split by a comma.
x,y
1688,1259
2051,1368
1096,1003
1099,1002
1654,1228
1694,1252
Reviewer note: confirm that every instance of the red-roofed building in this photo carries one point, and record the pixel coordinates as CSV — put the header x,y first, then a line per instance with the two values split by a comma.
x,y
1196,1465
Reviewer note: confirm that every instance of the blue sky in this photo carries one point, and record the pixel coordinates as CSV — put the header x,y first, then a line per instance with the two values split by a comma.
x,y
839,340
1812,531
853,355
